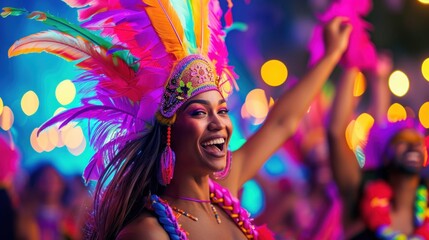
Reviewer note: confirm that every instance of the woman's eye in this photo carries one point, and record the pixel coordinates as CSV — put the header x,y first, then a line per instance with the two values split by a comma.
x,y
198,113
224,111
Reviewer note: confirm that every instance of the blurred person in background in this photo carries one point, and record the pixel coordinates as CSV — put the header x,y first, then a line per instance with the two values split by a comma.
x,y
78,206
9,165
42,211
392,203
319,211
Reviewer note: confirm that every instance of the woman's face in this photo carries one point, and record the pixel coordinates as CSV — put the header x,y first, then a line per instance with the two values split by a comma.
x,y
201,133
407,151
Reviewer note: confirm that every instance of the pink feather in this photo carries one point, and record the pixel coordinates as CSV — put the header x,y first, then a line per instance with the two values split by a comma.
x,y
218,52
92,7
361,52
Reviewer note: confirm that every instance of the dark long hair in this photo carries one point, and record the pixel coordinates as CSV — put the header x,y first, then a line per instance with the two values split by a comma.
x,y
123,189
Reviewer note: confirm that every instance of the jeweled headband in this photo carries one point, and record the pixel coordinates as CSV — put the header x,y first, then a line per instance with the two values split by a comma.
x,y
191,76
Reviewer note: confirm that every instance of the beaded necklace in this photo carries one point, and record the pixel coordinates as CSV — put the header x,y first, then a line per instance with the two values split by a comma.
x,y
376,212
218,195
190,216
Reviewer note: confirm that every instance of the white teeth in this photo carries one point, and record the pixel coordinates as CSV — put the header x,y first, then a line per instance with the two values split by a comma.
x,y
413,156
214,141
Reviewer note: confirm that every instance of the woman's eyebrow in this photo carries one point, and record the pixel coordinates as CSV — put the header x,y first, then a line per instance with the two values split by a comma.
x,y
201,101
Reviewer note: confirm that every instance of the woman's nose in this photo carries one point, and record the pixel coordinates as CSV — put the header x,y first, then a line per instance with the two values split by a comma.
x,y
215,123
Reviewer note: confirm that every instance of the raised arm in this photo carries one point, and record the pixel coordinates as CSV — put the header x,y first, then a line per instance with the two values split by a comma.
x,y
345,168
284,117
380,92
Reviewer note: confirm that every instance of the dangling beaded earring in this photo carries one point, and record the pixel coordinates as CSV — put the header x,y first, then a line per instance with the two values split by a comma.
x,y
224,173
168,159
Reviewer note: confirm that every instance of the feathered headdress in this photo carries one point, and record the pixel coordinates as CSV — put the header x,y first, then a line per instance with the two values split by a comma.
x,y
137,73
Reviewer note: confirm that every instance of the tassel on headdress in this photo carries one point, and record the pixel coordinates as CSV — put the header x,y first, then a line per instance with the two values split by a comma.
x,y
133,77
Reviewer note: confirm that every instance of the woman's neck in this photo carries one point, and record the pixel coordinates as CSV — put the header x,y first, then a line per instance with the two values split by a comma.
x,y
188,188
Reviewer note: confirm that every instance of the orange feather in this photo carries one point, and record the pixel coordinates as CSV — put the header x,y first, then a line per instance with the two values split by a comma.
x,y
201,17
167,24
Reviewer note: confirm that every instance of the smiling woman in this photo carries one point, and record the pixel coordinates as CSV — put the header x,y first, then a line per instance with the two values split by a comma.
x,y
158,96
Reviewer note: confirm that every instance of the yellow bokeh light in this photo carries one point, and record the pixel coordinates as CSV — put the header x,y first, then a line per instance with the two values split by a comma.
x,y
362,126
360,85
274,72
29,103
399,83
6,118
33,141
349,134
63,132
424,114
43,140
425,69
73,137
53,135
1,106
424,1
65,92
396,112
79,150
256,103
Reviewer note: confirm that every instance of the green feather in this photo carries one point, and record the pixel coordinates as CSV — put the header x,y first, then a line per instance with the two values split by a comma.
x,y
184,11
9,11
71,29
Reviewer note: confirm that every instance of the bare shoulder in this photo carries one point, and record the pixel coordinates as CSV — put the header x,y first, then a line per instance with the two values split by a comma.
x,y
145,227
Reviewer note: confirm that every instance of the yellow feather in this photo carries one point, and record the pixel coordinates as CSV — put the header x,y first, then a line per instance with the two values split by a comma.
x,y
168,26
201,17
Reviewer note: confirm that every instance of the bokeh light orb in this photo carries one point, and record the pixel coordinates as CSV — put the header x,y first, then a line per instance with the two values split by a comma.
x,y
6,118
256,103
253,197
425,68
399,83
424,1
74,137
1,106
396,112
274,72
29,103
363,124
350,137
360,85
33,141
65,92
79,150
424,114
